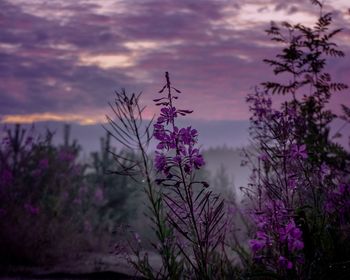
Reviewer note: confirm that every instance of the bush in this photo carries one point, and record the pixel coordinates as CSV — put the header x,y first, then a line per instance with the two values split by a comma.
x,y
51,205
38,194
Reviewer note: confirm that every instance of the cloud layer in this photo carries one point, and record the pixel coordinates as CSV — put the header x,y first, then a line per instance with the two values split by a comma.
x,y
62,60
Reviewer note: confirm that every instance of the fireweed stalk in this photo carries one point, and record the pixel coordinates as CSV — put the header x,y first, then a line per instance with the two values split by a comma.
x,y
196,215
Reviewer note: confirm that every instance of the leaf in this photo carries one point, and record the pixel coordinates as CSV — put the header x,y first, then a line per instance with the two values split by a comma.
x,y
334,52
338,86
333,33
279,88
316,2
346,111
178,91
185,112
162,89
159,99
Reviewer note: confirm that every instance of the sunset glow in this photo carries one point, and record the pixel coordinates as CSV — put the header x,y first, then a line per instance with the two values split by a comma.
x,y
32,118
107,61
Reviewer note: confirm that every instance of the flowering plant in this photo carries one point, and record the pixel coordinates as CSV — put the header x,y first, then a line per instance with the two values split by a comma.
x,y
188,218
299,170
197,215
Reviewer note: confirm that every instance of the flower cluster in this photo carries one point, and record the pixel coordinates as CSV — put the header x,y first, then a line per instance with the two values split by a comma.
x,y
179,142
292,236
277,229
300,183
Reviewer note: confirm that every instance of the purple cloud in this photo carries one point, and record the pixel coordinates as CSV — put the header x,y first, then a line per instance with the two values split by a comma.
x,y
67,57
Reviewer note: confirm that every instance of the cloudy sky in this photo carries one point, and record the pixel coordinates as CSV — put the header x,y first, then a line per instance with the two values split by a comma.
x,y
62,59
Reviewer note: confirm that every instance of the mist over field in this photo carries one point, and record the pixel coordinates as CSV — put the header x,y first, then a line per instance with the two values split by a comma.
x,y
233,134
221,142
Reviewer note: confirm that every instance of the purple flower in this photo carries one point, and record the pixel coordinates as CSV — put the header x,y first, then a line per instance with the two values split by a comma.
x,y
296,245
285,263
298,152
175,147
160,162
177,159
256,245
260,220
167,139
167,115
196,158
198,161
159,132
181,141
292,235
259,243
188,135
324,170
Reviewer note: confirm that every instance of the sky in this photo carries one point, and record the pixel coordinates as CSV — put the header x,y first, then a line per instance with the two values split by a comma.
x,y
62,60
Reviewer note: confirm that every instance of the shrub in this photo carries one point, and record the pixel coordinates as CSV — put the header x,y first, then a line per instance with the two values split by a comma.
x,y
299,187
38,194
